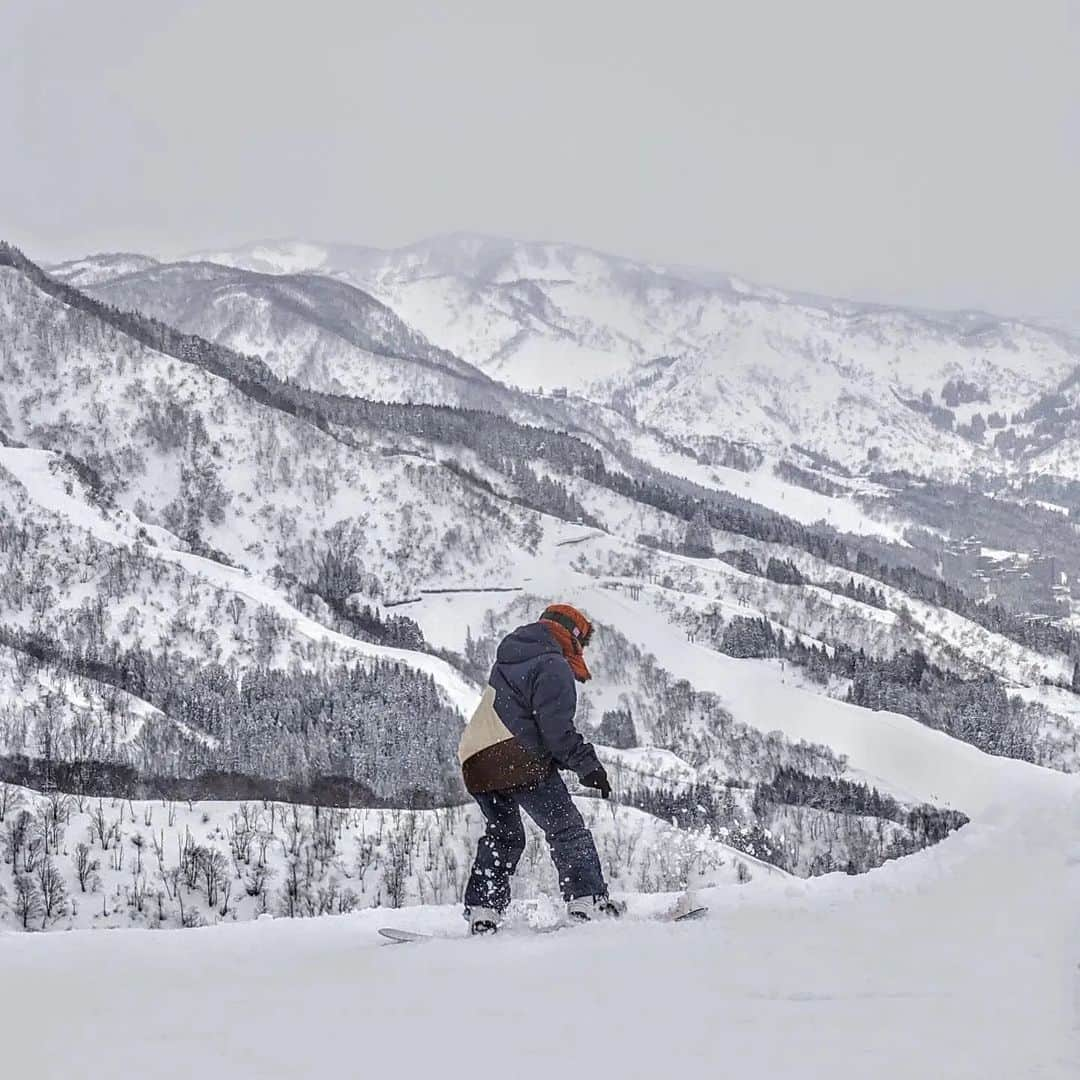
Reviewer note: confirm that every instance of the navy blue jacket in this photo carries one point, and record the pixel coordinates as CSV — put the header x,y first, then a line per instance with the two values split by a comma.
x,y
536,698
524,724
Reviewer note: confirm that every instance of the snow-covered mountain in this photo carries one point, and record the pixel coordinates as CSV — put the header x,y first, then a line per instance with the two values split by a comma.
x,y
229,589
316,331
705,355
326,334
94,268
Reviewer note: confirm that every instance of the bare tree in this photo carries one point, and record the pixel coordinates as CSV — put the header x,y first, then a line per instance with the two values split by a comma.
x,y
235,607
365,858
226,892
15,837
188,859
138,842
52,889
105,831
137,896
243,826
255,881
293,889
213,868
54,815
396,869
324,835
86,867
171,880
10,798
27,902
295,834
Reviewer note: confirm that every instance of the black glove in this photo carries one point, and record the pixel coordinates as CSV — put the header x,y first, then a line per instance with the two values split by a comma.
x,y
598,779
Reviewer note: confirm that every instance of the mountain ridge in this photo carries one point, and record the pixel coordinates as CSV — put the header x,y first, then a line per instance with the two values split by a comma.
x,y
320,255
547,314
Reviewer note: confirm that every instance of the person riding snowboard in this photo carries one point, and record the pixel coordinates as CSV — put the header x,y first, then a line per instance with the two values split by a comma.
x,y
520,735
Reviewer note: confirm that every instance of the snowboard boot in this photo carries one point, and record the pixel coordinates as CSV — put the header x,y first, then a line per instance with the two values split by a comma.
x,y
587,908
482,920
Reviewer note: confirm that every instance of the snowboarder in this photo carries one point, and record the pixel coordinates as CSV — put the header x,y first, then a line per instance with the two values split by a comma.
x,y
520,735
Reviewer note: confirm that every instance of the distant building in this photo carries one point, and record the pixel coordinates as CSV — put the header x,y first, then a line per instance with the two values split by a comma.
x,y
1030,583
961,558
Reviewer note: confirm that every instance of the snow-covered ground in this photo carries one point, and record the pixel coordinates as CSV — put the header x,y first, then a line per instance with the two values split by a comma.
x,y
53,491
960,961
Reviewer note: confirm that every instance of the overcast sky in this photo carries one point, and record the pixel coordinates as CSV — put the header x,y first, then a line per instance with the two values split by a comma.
x,y
924,152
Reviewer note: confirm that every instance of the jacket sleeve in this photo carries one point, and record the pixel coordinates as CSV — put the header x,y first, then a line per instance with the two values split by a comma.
x,y
554,702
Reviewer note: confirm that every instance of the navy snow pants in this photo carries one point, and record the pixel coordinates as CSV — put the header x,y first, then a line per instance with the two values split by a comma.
x,y
501,846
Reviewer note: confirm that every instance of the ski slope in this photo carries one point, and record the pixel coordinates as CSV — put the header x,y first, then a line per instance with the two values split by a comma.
x,y
892,751
958,962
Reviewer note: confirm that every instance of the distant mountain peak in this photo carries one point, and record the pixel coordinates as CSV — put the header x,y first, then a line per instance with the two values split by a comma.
x,y
93,269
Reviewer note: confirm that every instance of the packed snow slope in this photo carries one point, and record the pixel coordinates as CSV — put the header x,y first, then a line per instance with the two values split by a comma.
x,y
706,355
960,961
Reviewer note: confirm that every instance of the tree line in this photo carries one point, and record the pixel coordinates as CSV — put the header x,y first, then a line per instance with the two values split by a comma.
x,y
375,728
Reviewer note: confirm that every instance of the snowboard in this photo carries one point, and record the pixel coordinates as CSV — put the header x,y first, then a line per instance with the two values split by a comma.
x,y
405,937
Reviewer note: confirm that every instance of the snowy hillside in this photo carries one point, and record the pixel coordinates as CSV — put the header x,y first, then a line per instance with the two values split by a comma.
x,y
183,449
94,268
315,331
176,863
706,355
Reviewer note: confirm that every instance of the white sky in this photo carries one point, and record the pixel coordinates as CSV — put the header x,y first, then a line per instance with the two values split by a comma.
x,y
920,152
